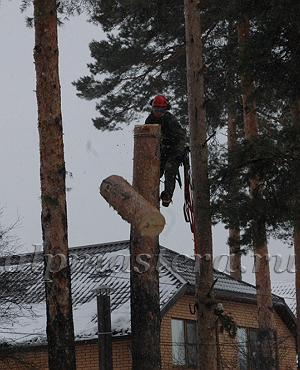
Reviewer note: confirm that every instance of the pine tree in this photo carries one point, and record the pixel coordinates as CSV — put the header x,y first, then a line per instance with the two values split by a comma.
x,y
206,319
146,56
232,137
260,248
60,330
272,59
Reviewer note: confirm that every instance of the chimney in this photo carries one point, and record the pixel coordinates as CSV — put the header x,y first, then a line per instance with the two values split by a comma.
x,y
104,327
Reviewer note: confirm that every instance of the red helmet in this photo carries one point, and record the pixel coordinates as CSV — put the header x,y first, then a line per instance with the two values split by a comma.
x,y
160,101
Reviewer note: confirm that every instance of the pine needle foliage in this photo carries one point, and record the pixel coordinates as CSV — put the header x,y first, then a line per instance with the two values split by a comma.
x,y
144,54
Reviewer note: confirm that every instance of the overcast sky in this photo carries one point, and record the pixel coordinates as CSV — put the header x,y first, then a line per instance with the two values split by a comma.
x,y
90,155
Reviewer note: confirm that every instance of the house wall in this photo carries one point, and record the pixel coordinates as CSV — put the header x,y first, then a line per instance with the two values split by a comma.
x,y
87,357
244,315
181,310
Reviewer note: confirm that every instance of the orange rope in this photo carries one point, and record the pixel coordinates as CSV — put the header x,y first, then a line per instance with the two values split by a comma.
x,y
188,209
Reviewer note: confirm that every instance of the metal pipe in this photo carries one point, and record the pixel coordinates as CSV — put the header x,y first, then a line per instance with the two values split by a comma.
x,y
104,330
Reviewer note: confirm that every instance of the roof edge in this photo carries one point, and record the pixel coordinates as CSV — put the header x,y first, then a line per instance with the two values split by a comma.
x,y
185,289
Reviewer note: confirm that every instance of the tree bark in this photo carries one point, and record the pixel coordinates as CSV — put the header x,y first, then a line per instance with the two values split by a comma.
x,y
144,255
260,249
297,278
60,331
295,120
206,319
235,255
234,232
131,206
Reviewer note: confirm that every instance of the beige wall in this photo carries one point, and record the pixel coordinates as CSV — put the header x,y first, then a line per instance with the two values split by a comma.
x,y
245,315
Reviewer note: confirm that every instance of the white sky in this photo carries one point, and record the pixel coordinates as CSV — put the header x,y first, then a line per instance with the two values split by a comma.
x,y
90,155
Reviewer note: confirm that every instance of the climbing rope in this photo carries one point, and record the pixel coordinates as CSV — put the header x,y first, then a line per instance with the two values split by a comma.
x,y
188,210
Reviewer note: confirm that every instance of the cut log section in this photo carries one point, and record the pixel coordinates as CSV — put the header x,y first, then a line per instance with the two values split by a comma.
x,y
131,206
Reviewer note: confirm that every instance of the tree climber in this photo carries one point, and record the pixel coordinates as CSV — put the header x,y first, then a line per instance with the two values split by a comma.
x,y
173,144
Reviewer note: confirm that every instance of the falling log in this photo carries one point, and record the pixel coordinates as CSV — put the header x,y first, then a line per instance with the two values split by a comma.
x,y
131,206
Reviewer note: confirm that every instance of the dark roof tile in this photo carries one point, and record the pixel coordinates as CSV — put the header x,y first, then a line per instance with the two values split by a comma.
x,y
93,266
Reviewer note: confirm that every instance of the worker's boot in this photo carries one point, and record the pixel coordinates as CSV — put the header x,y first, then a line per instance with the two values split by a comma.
x,y
165,198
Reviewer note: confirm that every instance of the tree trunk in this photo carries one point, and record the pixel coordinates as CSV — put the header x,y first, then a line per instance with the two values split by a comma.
x,y
144,255
131,206
260,248
60,331
295,120
235,254
234,232
297,279
206,319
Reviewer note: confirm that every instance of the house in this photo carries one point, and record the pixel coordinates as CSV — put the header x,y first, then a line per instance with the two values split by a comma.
x,y
23,336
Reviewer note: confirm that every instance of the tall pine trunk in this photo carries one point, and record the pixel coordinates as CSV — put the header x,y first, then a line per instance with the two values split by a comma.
x,y
206,319
296,121
234,232
60,331
260,248
297,279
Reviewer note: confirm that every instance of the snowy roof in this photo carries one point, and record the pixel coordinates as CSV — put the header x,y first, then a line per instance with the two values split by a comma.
x,y
286,289
22,283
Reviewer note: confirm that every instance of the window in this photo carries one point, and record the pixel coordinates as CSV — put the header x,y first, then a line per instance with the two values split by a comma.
x,y
184,339
248,349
